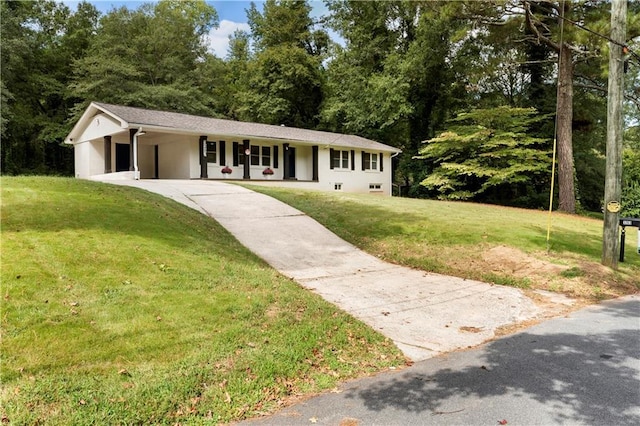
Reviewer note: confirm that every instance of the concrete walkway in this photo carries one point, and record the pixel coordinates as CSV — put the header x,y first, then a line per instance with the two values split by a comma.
x,y
424,314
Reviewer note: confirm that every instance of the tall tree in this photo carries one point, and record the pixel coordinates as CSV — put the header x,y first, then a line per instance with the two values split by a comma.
x,y
149,57
285,83
40,40
395,80
540,29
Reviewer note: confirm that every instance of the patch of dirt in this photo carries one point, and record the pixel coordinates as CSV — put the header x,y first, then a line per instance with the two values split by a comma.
x,y
470,329
503,259
570,275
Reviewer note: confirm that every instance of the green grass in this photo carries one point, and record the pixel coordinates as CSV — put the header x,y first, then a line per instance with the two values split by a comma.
x,y
122,307
456,238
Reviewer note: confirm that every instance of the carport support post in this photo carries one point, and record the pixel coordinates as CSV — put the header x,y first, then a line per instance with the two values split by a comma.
x,y
203,157
247,159
107,154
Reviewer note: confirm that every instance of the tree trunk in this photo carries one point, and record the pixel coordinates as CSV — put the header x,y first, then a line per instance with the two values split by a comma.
x,y
566,185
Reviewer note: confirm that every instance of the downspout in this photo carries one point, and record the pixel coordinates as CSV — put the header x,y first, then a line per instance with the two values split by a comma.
x,y
136,171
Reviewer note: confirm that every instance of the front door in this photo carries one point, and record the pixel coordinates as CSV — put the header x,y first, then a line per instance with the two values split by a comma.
x,y
123,161
292,162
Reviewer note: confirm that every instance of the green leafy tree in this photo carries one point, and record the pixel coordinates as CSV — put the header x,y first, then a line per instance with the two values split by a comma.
x,y
570,29
149,57
395,81
487,151
282,82
40,40
631,173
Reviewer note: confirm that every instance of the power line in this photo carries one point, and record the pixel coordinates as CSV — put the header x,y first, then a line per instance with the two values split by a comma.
x,y
625,48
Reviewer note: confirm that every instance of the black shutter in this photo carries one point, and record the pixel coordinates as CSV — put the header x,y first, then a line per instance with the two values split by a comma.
x,y
223,153
275,157
235,154
331,154
381,166
362,152
353,160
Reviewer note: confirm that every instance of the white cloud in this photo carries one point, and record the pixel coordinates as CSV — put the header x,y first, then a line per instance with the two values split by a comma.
x,y
219,37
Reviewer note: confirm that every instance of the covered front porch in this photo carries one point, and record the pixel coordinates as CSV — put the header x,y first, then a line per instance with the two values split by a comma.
x,y
153,154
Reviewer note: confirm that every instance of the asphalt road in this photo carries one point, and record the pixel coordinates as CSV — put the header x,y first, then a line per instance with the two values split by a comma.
x,y
579,369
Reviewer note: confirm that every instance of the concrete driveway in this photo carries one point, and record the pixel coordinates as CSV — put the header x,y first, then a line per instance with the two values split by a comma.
x,y
424,314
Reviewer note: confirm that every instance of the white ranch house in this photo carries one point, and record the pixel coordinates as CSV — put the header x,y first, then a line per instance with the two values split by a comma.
x,y
121,142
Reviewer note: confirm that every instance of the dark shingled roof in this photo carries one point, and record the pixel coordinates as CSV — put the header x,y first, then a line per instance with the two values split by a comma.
x,y
216,126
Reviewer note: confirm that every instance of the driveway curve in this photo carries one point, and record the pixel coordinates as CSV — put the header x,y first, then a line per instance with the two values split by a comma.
x,y
424,314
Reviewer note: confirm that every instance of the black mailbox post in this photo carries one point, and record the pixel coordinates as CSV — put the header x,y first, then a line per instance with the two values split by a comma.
x,y
624,222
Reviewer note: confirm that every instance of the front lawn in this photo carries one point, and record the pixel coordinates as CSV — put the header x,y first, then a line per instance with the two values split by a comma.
x,y
495,244
122,307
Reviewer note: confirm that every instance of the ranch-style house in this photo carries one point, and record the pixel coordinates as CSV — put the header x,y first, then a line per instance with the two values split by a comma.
x,y
122,142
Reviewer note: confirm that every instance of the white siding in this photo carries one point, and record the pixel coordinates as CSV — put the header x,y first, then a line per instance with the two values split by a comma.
x,y
356,180
101,125
173,159
146,161
194,157
89,159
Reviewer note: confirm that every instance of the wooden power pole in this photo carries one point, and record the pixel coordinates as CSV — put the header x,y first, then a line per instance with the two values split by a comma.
x,y
615,128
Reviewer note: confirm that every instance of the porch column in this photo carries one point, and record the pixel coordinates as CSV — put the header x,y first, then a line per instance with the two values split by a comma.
x,y
203,157
285,160
156,157
314,152
131,133
107,154
246,146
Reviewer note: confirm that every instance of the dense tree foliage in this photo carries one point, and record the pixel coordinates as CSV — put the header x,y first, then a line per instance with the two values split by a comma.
x,y
149,57
40,41
631,174
404,72
488,152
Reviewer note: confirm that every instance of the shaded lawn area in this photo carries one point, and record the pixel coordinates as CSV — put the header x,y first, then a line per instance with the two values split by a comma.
x,y
490,243
120,307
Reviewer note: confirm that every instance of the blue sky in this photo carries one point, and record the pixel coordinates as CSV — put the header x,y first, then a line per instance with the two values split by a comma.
x,y
231,14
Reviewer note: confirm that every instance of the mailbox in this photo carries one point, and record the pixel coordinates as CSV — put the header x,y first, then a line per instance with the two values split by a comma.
x,y
624,222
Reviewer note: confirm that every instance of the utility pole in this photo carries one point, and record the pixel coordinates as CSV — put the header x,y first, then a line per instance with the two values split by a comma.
x,y
615,128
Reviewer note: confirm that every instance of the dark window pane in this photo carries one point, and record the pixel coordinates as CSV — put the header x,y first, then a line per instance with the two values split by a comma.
x,y
211,152
255,155
335,158
367,160
266,156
